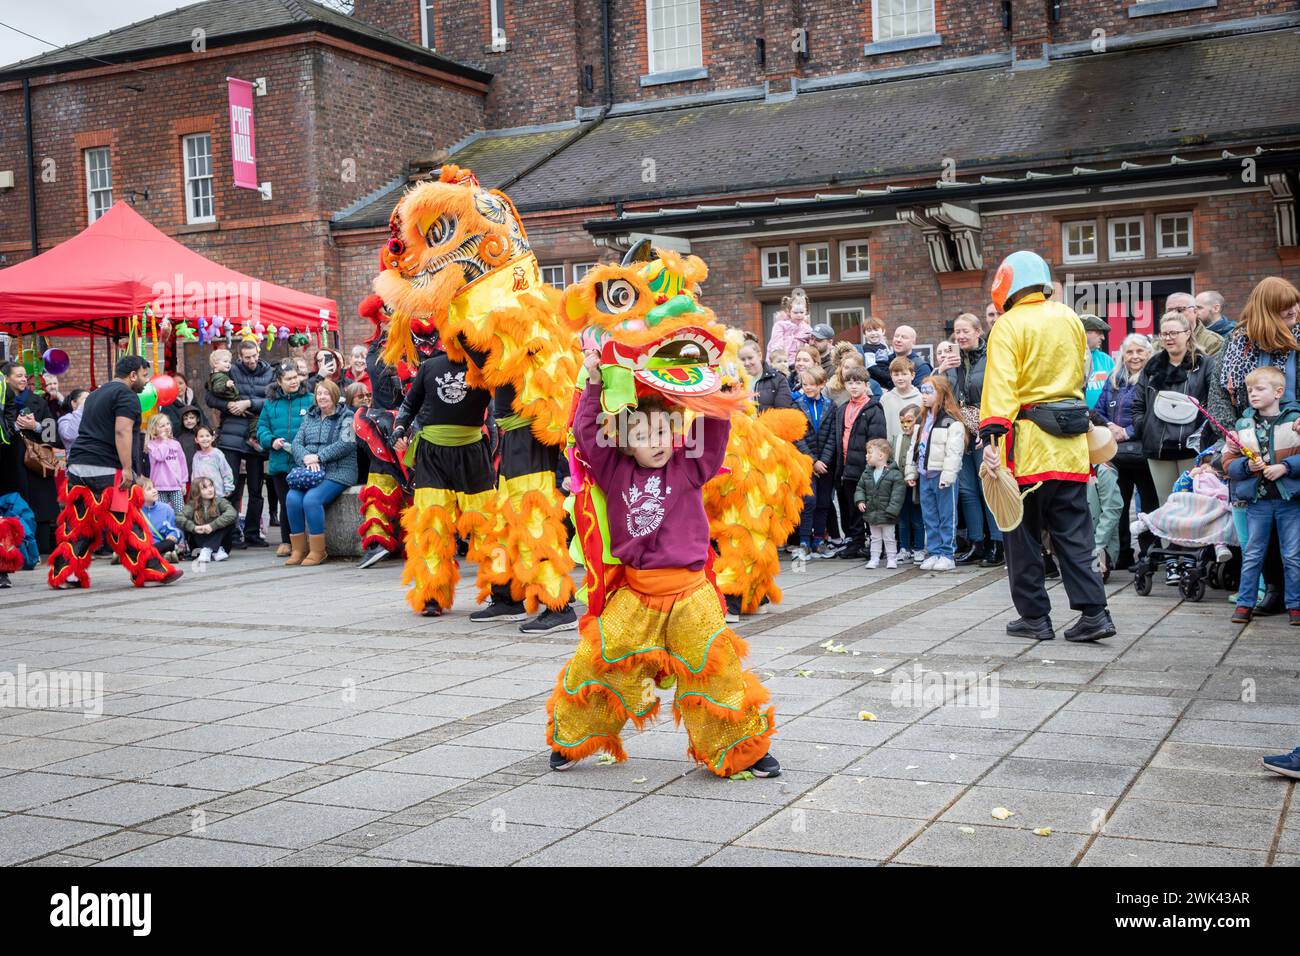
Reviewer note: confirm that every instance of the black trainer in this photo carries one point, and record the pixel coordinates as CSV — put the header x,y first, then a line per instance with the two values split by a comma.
x,y
994,557
1039,628
431,609
374,554
549,620
561,762
767,766
1091,627
256,541
733,608
973,556
4,580
500,612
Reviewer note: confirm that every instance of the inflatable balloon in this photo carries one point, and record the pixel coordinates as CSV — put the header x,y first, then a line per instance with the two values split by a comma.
x,y
166,389
56,361
148,398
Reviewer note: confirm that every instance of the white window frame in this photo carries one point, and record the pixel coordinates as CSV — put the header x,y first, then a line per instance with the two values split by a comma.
x,y
804,277
765,258
878,35
1066,255
857,311
194,180
558,265
1163,251
497,9
91,188
677,31
1110,238
426,21
845,271
580,269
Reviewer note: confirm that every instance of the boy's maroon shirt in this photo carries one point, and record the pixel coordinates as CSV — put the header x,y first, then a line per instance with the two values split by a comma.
x,y
656,515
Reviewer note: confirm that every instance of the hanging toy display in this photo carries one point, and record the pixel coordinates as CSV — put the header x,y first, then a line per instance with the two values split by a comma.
x,y
284,333
186,334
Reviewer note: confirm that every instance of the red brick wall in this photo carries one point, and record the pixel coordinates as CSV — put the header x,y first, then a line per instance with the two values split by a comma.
x,y
539,80
372,120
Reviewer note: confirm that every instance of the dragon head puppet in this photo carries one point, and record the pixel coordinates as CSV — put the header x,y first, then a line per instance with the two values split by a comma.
x,y
654,337
458,273
445,236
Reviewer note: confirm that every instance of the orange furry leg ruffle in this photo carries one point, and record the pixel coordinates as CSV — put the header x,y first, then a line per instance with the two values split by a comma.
x,y
431,569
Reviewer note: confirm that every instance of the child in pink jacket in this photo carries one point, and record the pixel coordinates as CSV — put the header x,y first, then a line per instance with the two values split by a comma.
x,y
167,466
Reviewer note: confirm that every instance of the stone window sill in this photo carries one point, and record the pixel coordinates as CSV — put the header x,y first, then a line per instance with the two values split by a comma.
x,y
675,76
1156,7
899,44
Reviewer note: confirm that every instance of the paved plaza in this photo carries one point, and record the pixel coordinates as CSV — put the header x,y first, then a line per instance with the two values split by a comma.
x,y
259,715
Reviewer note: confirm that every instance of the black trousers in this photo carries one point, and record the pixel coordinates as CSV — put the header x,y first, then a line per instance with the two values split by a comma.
x,y
850,516
1061,509
280,484
254,465
816,508
1135,476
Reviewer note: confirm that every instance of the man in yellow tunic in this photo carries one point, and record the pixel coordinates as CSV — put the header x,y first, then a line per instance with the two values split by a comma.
x,y
1032,405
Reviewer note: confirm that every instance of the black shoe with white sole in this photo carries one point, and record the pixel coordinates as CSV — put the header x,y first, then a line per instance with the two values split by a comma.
x,y
500,612
549,620
4,581
767,766
374,554
733,608
561,762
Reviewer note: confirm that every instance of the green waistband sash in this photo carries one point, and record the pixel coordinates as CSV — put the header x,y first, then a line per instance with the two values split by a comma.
x,y
450,436
510,422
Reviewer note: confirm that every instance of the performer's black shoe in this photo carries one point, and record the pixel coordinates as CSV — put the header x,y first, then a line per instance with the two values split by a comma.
x,y
561,762
1039,628
973,554
733,608
255,541
500,612
994,556
1091,627
549,620
374,554
431,609
4,580
173,575
767,766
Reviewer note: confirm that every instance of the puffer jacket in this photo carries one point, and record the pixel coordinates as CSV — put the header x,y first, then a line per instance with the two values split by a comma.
x,y
1116,405
869,424
944,454
820,443
884,499
771,390
1162,440
252,386
968,377
1246,484
280,418
1106,505
332,439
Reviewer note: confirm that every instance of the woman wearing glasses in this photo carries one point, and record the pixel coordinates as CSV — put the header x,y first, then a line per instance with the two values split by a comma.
x,y
1170,432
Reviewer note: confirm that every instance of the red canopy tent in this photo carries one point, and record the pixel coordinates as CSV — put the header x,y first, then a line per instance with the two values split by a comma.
x,y
93,283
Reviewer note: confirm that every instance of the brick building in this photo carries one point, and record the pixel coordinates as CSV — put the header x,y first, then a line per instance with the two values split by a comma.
x,y
884,154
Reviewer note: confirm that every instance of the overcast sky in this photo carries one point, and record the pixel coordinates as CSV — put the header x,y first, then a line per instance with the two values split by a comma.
x,y
66,21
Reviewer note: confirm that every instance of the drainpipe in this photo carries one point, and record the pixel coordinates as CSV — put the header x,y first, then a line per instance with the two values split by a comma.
x,y
31,166
609,64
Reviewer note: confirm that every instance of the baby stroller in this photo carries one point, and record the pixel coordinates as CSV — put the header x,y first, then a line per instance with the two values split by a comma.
x,y
1202,542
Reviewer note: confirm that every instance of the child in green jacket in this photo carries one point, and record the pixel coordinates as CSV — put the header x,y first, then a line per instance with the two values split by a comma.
x,y
879,497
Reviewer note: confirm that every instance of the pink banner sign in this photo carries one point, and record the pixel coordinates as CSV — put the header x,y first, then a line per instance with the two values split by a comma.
x,y
243,146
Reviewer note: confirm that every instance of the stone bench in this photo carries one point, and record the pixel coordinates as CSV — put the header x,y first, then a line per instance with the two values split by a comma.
x,y
342,519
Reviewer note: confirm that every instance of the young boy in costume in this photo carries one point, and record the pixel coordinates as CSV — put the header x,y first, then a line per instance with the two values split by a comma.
x,y
662,616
